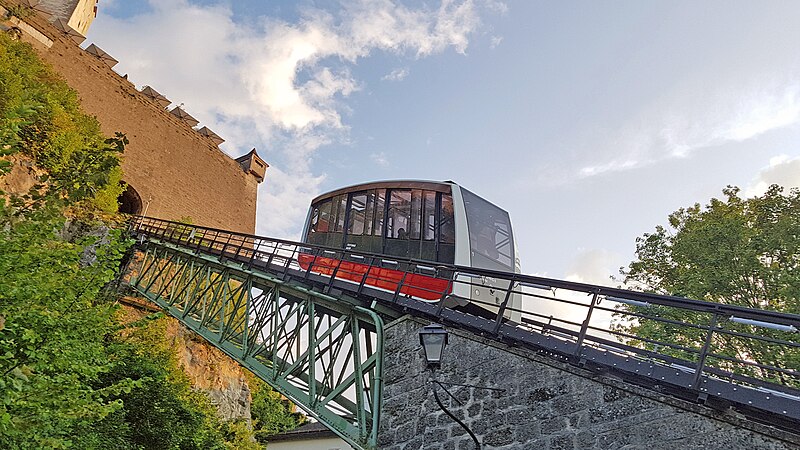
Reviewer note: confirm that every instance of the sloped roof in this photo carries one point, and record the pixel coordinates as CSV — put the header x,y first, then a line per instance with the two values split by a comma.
x,y
98,52
205,131
246,156
183,115
57,8
35,4
155,95
64,27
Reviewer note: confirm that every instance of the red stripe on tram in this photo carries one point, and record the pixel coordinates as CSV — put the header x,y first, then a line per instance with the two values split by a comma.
x,y
415,285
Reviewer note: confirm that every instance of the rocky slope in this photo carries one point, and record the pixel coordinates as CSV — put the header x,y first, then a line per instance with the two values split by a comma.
x,y
209,370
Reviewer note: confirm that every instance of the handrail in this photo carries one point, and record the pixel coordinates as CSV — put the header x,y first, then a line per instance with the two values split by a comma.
x,y
652,298
575,339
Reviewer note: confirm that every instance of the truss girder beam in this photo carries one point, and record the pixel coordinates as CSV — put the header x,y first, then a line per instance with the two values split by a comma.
x,y
323,353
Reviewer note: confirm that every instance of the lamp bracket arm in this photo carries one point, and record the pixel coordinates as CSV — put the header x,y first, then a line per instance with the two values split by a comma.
x,y
446,391
487,388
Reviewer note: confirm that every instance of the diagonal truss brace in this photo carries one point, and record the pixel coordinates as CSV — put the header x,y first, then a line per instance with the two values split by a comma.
x,y
323,353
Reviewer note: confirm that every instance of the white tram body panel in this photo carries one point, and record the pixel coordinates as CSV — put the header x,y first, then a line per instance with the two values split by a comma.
x,y
410,219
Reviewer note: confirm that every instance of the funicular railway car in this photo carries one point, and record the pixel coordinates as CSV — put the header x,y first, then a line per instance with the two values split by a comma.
x,y
436,222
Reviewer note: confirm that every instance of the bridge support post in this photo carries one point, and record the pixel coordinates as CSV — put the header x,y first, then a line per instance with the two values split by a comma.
x,y
321,352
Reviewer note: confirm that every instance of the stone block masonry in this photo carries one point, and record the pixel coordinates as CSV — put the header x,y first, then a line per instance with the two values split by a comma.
x,y
176,172
546,405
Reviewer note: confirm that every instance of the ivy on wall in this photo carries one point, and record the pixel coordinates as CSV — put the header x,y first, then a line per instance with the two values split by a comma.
x,y
73,374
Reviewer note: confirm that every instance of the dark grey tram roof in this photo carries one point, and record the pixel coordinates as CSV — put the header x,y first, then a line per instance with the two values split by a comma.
x,y
438,186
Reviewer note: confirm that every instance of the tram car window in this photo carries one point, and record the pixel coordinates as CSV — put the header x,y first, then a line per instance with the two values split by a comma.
x,y
490,240
416,223
447,231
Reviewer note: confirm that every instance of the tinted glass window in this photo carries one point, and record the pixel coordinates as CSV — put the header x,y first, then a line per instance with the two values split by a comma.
x,y
447,231
333,214
379,212
323,223
342,210
429,216
318,223
313,219
490,239
358,214
416,214
447,224
398,219
369,216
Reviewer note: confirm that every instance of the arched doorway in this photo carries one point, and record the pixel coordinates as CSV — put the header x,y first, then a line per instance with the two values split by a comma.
x,y
130,202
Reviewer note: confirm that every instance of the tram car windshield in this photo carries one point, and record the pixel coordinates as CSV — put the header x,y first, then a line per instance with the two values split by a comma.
x,y
421,220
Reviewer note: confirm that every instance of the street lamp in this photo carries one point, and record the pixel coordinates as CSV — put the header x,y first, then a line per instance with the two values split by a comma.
x,y
433,339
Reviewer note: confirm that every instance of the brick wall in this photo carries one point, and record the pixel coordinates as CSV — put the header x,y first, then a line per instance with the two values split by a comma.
x,y
546,405
177,171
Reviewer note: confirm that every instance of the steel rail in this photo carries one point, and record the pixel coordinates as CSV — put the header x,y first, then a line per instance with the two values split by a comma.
x,y
737,381
656,299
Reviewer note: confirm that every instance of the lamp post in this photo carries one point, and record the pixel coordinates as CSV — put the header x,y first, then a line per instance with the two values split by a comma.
x,y
433,339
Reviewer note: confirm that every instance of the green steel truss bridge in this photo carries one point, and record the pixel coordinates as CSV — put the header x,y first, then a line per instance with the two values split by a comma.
x,y
317,338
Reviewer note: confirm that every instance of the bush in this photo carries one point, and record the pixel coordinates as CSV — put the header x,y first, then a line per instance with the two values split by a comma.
x,y
40,116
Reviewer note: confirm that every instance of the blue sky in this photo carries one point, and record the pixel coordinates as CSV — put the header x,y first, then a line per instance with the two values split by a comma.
x,y
589,121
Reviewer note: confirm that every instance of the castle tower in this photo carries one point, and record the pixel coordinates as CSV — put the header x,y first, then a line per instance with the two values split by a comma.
x,y
79,14
253,164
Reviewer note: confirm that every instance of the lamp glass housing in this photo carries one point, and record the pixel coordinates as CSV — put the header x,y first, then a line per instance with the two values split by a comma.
x,y
433,339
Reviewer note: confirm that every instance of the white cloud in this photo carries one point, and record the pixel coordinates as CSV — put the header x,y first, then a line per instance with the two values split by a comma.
x,y
696,117
380,159
591,266
497,6
283,197
396,74
782,170
612,166
274,83
496,40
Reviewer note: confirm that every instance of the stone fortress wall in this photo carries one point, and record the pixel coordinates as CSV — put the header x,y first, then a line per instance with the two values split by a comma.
x,y
545,405
176,172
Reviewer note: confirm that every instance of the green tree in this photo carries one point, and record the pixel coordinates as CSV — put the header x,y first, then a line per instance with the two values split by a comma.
x,y
52,343
163,412
271,412
71,375
737,251
40,116
55,316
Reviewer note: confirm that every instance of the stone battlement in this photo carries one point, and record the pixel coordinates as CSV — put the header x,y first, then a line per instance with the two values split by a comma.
x,y
173,171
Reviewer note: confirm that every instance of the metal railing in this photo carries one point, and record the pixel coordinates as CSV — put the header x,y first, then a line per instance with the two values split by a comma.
x,y
323,354
696,349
